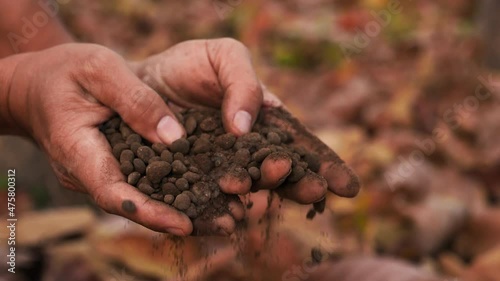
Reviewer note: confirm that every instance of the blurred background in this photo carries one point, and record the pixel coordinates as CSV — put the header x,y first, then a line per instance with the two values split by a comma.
x,y
406,92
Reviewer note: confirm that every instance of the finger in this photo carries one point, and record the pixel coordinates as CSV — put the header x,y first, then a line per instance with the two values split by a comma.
x,y
340,178
242,90
270,99
106,76
311,188
223,225
235,181
237,210
274,170
96,169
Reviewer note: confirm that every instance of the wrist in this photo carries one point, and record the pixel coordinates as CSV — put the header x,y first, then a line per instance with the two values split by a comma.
x,y
8,123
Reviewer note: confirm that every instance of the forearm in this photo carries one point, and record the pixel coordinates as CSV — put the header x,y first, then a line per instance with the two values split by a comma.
x,y
30,25
8,123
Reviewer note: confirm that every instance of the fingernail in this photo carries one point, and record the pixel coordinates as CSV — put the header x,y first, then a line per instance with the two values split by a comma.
x,y
176,231
169,130
243,121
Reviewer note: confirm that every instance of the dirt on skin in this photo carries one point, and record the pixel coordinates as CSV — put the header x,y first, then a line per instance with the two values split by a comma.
x,y
185,175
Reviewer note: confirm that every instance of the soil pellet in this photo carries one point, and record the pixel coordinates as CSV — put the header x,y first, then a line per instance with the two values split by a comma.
x,y
115,139
182,184
118,148
145,153
261,154
209,124
114,123
170,188
127,156
154,159
190,125
126,168
201,145
133,178
203,162
242,157
133,138
313,162
134,147
180,145
320,206
297,174
157,196
254,173
139,166
146,188
191,196
179,156
157,170
192,212
158,148
169,199
201,191
252,138
311,214
273,138
178,167
191,177
167,156
194,169
126,131
182,202
225,141
192,139
144,180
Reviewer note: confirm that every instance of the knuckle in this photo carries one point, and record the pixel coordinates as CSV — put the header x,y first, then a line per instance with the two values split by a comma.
x,y
228,45
98,60
100,198
142,102
232,43
254,89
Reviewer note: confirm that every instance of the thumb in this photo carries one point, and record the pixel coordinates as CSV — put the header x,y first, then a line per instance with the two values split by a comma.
x,y
108,78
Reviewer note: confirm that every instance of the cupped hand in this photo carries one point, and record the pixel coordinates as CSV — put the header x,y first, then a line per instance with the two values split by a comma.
x,y
61,95
218,73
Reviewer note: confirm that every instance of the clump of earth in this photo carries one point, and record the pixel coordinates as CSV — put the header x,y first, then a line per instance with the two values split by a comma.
x,y
185,175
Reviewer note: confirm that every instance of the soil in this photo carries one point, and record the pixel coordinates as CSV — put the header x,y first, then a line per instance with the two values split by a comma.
x,y
185,175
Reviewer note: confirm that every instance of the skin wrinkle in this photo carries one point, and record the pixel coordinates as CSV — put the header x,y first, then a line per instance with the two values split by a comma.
x,y
211,62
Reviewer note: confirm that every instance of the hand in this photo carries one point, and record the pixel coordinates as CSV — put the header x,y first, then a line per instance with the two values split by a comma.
x,y
219,73
61,95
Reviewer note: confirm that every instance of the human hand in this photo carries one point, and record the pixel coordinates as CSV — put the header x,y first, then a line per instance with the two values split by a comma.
x,y
218,73
61,95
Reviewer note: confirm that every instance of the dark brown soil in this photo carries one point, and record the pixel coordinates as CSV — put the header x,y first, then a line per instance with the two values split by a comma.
x,y
185,175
